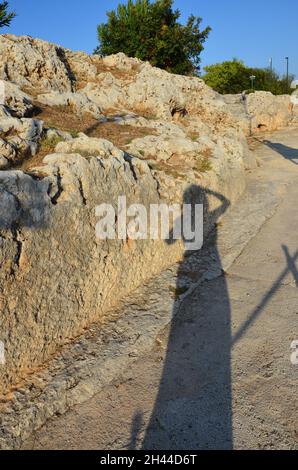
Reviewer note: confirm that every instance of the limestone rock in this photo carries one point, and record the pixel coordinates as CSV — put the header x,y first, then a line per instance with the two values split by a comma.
x,y
108,94
239,109
53,134
4,163
7,150
87,146
16,102
20,137
79,102
121,62
161,127
160,149
269,112
3,111
261,111
56,277
34,63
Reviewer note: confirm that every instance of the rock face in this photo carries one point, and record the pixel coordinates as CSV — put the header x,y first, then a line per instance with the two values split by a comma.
x,y
78,101
15,102
261,111
56,277
269,112
19,138
294,101
34,63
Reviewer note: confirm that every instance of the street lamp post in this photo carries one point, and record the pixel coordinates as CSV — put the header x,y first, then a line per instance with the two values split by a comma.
x,y
252,78
287,61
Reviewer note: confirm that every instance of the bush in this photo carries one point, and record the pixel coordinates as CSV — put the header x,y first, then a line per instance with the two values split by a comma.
x,y
234,77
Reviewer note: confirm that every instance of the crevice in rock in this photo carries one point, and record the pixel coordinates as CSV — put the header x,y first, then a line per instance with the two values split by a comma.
x,y
35,176
156,181
54,199
178,112
19,243
7,77
62,56
128,159
81,189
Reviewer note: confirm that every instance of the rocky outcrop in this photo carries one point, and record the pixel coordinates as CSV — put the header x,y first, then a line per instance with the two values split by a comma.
x,y
19,138
34,63
56,277
269,112
294,101
15,102
261,111
80,103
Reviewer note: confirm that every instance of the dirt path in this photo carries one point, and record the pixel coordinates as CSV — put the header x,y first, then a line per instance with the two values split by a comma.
x,y
219,375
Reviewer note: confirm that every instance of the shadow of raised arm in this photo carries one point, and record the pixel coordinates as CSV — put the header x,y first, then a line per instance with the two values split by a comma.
x,y
197,195
219,211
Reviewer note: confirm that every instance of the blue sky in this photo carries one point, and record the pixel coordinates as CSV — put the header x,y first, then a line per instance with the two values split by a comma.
x,y
253,31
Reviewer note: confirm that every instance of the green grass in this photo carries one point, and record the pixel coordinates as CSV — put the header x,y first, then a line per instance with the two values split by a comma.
x,y
48,144
178,291
203,165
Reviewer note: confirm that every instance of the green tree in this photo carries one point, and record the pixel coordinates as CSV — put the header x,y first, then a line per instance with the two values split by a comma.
x,y
228,77
150,31
5,17
234,77
269,80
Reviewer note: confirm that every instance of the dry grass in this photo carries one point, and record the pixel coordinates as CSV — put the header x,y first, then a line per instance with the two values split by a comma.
x,y
120,135
178,165
169,170
125,76
47,146
11,133
202,165
193,136
119,74
66,119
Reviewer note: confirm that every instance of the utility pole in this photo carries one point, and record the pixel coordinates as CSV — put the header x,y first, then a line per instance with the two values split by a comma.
x,y
287,61
271,65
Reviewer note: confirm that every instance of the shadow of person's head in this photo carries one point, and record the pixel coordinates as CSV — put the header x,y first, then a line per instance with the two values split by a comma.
x,y
201,210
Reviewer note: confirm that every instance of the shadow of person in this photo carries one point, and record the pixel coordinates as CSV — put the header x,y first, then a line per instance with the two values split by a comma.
x,y
193,407
289,153
24,202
